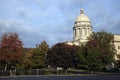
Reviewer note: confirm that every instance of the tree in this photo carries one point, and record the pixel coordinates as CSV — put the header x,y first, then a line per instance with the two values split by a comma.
x,y
94,58
98,52
11,50
81,57
39,55
62,55
27,62
102,47
117,62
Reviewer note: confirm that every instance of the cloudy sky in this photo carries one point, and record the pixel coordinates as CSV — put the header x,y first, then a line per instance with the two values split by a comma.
x,y
53,20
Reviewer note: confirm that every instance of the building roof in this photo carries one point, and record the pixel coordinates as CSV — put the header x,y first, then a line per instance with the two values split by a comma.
x,y
82,17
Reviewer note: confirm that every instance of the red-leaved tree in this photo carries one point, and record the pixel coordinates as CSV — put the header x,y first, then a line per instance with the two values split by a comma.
x,y
11,50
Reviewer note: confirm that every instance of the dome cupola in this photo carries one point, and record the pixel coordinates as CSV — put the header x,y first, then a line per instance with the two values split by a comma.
x,y
82,17
82,28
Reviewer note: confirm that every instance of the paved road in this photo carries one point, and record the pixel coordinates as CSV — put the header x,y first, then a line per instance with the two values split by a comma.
x,y
87,77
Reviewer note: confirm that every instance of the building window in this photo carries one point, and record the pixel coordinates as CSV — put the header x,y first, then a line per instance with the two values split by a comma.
x,y
118,47
85,31
75,32
80,31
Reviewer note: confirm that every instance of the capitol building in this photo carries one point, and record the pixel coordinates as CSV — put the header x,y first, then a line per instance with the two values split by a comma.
x,y
82,29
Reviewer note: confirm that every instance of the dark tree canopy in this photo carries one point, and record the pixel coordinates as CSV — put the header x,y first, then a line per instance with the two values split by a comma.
x,y
62,55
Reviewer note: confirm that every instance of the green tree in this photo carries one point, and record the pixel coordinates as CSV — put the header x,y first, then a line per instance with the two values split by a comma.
x,y
102,47
98,52
117,62
94,57
27,62
39,55
62,55
11,50
81,57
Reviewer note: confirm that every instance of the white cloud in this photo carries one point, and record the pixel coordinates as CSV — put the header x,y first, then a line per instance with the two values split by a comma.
x,y
53,20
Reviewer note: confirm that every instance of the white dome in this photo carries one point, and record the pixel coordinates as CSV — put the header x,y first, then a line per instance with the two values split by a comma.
x,y
82,17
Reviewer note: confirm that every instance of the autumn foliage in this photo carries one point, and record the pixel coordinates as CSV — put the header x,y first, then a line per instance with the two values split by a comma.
x,y
11,49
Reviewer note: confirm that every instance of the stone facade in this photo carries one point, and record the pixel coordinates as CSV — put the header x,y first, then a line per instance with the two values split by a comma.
x,y
82,29
117,45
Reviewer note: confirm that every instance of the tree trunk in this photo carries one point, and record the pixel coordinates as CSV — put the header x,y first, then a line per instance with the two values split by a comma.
x,y
5,67
65,70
